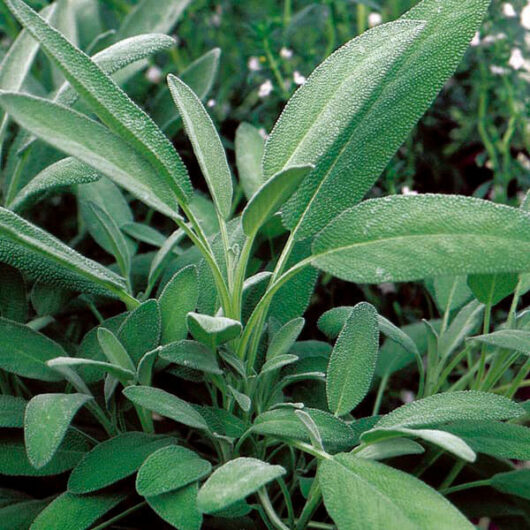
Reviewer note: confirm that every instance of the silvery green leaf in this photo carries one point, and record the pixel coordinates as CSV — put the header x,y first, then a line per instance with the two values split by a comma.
x,y
346,477
277,362
511,339
352,362
244,402
144,372
451,292
249,146
114,350
311,428
389,448
234,481
144,233
206,144
407,238
190,354
46,421
284,338
213,331
115,371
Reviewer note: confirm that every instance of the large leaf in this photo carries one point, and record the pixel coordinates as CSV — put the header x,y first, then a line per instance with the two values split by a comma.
x,y
234,481
206,144
39,254
352,362
24,351
360,494
406,238
114,460
109,102
46,421
361,103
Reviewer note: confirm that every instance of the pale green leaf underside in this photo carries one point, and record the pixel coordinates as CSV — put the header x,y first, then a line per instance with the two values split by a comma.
x,y
511,339
406,238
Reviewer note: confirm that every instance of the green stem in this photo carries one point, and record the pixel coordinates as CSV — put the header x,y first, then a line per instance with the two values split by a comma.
x,y
313,502
269,510
485,331
451,476
120,516
468,485
275,69
380,392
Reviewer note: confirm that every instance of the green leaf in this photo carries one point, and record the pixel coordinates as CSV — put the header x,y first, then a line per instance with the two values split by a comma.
x,y
206,144
178,508
390,448
25,352
178,298
284,338
451,292
46,421
168,469
451,406
492,288
108,101
379,499
76,511
165,404
113,460
244,402
283,423
144,233
144,372
213,331
407,238
270,196
513,482
13,302
249,146
66,172
12,411
114,350
352,362
234,481
118,372
190,354
20,515
510,339
162,257
93,144
358,106
503,440
39,254
278,362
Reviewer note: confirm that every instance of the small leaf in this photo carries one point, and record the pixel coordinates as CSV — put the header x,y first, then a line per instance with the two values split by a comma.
x,y
270,196
234,481
213,331
390,448
380,502
46,421
113,460
206,143
311,428
12,411
352,363
168,469
511,339
191,354
115,371
165,404
39,254
513,482
249,145
76,511
451,292
114,350
144,372
492,288
144,233
285,337
278,362
244,402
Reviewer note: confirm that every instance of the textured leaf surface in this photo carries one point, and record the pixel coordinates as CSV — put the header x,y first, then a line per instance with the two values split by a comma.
x,y
46,421
492,288
39,254
165,404
24,351
12,411
191,354
285,337
113,460
71,511
97,366
249,145
213,331
234,481
379,496
511,339
383,82
406,238
352,362
390,449
168,469
206,143
513,482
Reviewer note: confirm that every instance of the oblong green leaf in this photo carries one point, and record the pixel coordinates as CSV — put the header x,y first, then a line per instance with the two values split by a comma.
x,y
492,288
513,482
113,370
165,404
249,146
113,460
46,421
270,196
168,469
108,101
379,499
206,144
510,339
284,338
353,359
190,354
406,238
234,481
114,350
12,411
390,449
213,331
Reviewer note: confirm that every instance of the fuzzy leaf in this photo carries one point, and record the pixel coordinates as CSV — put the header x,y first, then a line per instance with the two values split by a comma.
x,y
213,331
114,350
492,288
511,339
407,238
118,372
352,362
249,145
190,354
234,481
390,449
284,338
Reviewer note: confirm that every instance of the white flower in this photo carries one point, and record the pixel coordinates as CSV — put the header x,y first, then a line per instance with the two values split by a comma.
x,y
265,89
298,78
263,133
490,39
497,70
524,161
154,74
286,53
253,64
516,59
405,190
525,17
211,103
508,10
476,39
374,19
387,288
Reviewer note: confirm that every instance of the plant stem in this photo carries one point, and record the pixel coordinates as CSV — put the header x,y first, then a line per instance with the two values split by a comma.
x,y
313,501
275,69
120,516
269,510
468,485
451,476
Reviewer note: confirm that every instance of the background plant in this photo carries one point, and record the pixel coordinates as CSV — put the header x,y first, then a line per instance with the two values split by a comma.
x,y
203,389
